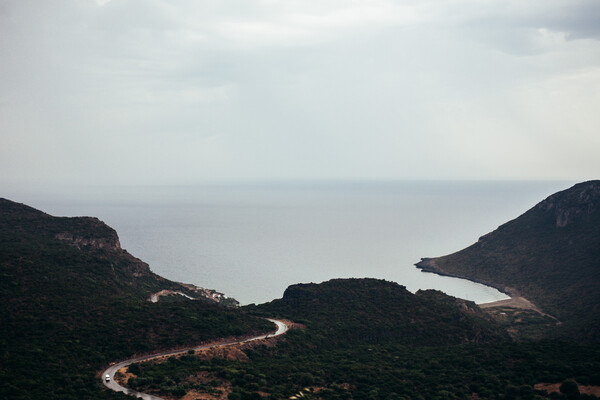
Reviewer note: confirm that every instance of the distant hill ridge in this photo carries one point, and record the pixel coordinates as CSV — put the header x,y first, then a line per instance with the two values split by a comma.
x,y
550,255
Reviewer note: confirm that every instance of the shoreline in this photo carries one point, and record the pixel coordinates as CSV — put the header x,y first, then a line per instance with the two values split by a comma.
x,y
515,299
429,265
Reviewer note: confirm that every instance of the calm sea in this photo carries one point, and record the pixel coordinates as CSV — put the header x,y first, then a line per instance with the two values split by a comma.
x,y
252,241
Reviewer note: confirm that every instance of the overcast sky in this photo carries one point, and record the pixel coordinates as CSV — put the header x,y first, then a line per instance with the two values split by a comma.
x,y
179,92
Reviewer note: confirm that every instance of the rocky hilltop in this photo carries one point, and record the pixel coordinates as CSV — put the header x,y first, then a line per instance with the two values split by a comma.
x,y
84,235
573,206
550,255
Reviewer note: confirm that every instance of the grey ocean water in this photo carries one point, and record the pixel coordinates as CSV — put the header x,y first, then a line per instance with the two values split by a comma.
x,y
252,241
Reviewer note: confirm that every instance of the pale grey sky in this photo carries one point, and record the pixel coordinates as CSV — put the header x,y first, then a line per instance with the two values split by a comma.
x,y
179,92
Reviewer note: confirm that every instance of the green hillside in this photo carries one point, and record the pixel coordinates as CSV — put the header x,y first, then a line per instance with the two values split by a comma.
x,y
376,311
372,339
550,255
73,300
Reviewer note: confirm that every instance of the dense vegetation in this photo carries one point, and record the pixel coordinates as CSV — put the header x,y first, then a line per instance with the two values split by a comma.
x,y
343,351
374,311
550,254
72,301
501,371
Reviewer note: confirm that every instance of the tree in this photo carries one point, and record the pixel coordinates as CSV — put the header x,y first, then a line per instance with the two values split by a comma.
x,y
570,388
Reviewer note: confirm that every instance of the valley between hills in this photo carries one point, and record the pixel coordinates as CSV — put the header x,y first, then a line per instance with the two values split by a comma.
x,y
73,302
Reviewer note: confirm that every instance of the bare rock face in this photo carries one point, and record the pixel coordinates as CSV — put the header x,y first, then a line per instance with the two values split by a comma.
x,y
90,243
573,205
97,235
91,234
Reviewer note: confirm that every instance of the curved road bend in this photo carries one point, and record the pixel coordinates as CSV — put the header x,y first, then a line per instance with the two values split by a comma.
x,y
113,385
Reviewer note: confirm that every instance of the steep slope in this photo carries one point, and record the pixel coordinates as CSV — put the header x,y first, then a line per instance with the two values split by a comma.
x,y
550,255
73,300
49,244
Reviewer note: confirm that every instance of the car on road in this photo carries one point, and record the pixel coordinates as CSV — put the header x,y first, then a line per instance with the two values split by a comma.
x,y
107,378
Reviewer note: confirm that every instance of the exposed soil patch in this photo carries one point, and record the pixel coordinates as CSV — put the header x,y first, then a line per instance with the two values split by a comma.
x,y
514,302
219,390
195,395
555,388
229,353
123,375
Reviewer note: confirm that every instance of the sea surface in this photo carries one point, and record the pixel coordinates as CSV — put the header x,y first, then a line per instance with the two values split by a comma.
x,y
250,241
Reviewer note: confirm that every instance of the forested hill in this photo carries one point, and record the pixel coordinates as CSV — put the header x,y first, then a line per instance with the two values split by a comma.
x,y
363,311
73,300
550,254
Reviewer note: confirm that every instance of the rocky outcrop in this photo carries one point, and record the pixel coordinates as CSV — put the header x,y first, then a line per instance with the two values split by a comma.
x,y
109,242
573,205
89,233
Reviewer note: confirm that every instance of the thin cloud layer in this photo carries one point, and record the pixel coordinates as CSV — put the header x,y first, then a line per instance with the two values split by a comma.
x,y
155,91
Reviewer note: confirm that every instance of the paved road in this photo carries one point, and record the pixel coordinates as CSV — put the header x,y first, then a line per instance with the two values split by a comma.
x,y
112,384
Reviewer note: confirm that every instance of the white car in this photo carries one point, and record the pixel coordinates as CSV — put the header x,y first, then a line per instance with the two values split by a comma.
x,y
107,378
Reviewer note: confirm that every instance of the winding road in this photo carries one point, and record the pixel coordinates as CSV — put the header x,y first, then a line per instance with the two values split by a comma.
x,y
110,371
